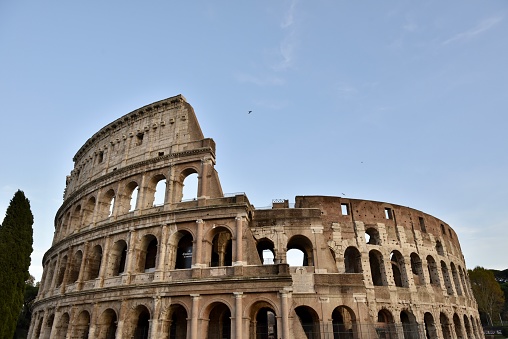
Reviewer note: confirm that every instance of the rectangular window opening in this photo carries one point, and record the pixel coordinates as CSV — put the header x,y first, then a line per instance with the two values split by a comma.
x,y
344,209
161,154
388,213
139,139
101,157
422,224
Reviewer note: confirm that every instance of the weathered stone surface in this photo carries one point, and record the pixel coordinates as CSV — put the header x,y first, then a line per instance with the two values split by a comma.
x,y
127,264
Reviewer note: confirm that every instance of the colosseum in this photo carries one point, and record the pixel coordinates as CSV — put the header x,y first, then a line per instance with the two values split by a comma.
x,y
131,258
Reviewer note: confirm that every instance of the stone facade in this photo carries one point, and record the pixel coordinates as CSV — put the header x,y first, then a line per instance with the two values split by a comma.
x,y
131,259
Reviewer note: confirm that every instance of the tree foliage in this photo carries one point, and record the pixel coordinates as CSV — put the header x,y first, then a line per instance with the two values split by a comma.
x,y
31,290
488,293
16,239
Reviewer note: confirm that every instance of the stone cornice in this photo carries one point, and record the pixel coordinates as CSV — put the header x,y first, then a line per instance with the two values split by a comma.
x,y
166,103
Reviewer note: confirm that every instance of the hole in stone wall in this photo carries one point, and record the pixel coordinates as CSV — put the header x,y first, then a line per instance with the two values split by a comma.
x,y
344,209
388,213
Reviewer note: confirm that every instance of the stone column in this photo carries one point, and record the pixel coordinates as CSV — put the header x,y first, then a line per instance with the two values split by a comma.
x,y
123,314
56,319
104,262
131,255
79,281
93,321
96,210
194,316
198,245
284,295
154,325
238,315
161,262
239,241
70,257
203,179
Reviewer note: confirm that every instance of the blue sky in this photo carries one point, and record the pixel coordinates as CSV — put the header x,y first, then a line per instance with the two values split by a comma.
x,y
396,101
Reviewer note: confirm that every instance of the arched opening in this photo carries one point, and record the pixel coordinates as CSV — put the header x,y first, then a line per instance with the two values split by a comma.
x,y
474,326
409,325
430,326
219,325
445,326
457,326
266,251
309,322
49,326
399,269
439,248
107,204
190,187
50,276
295,257
266,324
75,267
456,280
184,251
88,211
38,328
385,327
377,270
61,271
303,244
94,263
148,254
344,323
417,269
462,280
142,321
64,229
353,260
372,236
446,278
222,251
74,224
111,206
469,332
132,191
159,197
82,325
117,258
63,326
107,324
433,271
178,322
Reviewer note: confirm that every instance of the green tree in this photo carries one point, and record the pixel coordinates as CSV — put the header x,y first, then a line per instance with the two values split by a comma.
x,y
16,239
31,290
488,293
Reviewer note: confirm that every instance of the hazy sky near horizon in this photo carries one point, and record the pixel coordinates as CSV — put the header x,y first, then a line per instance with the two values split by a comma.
x,y
399,101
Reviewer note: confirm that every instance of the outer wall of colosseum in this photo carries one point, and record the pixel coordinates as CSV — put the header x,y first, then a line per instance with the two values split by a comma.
x,y
131,259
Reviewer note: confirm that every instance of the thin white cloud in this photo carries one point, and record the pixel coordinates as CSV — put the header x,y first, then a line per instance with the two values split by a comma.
x,y
287,46
260,81
480,28
346,91
289,17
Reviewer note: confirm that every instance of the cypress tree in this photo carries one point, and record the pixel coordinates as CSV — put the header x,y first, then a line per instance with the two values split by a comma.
x,y
16,239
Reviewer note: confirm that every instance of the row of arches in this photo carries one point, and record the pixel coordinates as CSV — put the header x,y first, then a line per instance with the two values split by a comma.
x,y
126,198
112,258
260,320
454,280
141,321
